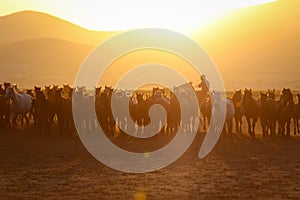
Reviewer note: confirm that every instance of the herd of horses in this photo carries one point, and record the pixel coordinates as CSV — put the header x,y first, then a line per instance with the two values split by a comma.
x,y
46,107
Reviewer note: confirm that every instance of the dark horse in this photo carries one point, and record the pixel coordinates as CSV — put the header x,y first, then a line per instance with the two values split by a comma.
x,y
250,109
237,101
285,112
297,115
268,112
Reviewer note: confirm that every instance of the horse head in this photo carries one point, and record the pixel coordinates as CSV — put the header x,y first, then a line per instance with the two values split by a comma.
x,y
9,93
237,97
247,93
271,94
287,96
97,91
47,88
29,91
37,89
6,85
263,97
139,97
2,91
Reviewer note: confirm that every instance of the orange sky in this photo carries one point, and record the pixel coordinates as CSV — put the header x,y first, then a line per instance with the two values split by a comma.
x,y
253,47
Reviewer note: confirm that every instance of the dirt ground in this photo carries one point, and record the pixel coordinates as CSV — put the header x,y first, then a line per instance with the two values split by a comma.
x,y
59,167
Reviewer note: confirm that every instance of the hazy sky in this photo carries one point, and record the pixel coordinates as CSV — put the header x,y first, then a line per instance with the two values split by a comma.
x,y
120,15
248,51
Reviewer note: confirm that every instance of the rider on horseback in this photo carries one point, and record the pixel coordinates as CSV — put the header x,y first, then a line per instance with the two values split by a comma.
x,y
204,85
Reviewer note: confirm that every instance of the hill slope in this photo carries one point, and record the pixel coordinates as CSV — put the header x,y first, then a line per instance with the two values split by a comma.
x,y
31,25
41,61
257,46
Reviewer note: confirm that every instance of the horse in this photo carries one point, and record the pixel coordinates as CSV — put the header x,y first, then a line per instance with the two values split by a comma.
x,y
237,99
264,115
230,113
188,115
4,110
173,114
20,104
65,113
285,112
84,100
206,109
217,112
250,108
121,105
297,115
227,110
42,113
103,109
268,112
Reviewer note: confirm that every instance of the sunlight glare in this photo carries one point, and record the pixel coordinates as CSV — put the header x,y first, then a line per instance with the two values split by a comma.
x,y
112,15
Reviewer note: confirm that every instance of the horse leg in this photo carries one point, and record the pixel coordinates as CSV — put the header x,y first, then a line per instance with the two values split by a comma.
x,y
14,120
288,128
223,133
27,119
236,124
279,131
298,125
263,126
253,127
272,128
204,122
295,124
282,129
230,127
249,126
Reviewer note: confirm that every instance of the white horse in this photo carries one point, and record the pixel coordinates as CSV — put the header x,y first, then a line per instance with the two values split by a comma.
x,y
223,107
20,104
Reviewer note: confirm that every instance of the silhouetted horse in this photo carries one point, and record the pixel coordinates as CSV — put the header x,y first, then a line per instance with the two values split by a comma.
x,y
218,112
103,110
237,99
189,104
173,114
20,104
42,114
230,112
86,119
268,112
64,111
4,110
250,109
122,114
206,110
285,112
297,115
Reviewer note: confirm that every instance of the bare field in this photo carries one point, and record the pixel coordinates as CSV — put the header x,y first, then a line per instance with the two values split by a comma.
x,y
59,167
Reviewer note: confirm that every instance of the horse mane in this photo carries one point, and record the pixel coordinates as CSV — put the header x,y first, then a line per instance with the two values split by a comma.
x,y
17,91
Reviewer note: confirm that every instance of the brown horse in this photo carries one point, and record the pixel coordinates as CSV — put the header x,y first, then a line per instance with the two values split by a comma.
x,y
268,112
250,109
237,99
297,115
285,112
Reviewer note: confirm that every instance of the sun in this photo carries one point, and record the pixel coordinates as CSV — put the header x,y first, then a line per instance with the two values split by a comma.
x,y
112,15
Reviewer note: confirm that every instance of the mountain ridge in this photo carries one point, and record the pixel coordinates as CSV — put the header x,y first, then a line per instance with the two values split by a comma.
x,y
32,24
